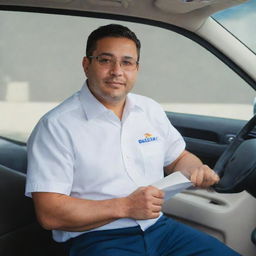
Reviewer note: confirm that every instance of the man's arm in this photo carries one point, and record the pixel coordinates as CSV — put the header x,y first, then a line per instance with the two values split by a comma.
x,y
193,168
62,212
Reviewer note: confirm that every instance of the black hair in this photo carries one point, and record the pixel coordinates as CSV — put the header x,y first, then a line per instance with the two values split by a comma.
x,y
111,30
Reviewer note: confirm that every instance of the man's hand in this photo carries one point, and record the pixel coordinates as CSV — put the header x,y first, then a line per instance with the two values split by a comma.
x,y
192,167
144,203
203,176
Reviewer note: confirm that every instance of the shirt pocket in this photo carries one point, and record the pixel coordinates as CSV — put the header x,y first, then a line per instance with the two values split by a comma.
x,y
153,158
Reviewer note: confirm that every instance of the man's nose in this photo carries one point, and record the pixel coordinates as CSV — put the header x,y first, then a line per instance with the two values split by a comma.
x,y
116,69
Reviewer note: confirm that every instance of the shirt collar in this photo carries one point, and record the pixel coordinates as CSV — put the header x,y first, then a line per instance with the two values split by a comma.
x,y
131,104
93,108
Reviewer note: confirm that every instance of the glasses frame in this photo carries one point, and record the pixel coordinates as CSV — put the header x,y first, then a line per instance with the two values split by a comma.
x,y
123,67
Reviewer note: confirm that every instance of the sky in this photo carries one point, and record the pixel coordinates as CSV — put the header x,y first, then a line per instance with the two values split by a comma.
x,y
241,21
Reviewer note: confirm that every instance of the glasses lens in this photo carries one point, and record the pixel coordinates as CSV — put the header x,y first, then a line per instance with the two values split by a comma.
x,y
127,64
105,60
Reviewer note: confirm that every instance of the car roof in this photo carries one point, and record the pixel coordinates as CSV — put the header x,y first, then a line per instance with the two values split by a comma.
x,y
188,14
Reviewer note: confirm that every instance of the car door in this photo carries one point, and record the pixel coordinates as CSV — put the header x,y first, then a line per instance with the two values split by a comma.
x,y
205,136
228,217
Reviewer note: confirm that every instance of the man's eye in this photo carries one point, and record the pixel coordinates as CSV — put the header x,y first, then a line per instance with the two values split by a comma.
x,y
126,63
104,60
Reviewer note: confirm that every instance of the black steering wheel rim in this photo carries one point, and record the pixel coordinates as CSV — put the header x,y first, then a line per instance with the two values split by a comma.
x,y
233,181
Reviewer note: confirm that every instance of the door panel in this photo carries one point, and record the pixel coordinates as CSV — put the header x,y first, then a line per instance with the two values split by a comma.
x,y
214,213
207,137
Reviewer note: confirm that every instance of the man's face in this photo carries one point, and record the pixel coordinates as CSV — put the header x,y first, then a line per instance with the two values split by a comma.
x,y
111,84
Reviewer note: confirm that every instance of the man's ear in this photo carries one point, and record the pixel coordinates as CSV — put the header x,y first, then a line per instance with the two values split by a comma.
x,y
138,66
85,64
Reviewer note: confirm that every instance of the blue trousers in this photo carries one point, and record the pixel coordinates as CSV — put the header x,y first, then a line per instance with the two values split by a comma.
x,y
165,238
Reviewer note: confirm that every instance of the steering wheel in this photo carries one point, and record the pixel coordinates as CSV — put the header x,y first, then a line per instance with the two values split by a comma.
x,y
237,165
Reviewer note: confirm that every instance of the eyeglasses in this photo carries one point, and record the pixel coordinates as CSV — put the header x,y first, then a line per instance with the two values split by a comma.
x,y
108,61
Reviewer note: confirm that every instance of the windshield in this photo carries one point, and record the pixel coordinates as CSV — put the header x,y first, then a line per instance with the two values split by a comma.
x,y
240,21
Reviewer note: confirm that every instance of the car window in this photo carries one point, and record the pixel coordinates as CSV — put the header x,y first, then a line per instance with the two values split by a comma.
x,y
40,60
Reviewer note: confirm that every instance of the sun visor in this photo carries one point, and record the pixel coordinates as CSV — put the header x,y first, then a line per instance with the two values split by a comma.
x,y
185,6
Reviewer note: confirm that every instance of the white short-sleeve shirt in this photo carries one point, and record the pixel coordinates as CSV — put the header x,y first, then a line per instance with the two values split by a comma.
x,y
82,149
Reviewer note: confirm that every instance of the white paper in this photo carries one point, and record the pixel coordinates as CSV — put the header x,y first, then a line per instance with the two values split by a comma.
x,y
173,184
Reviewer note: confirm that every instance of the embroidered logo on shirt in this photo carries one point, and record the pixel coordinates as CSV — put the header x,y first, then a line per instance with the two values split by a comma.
x,y
148,137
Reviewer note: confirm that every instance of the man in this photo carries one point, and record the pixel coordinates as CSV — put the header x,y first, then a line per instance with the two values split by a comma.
x,y
92,159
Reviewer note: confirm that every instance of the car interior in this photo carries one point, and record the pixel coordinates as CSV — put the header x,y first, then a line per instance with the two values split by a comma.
x,y
226,211
20,233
